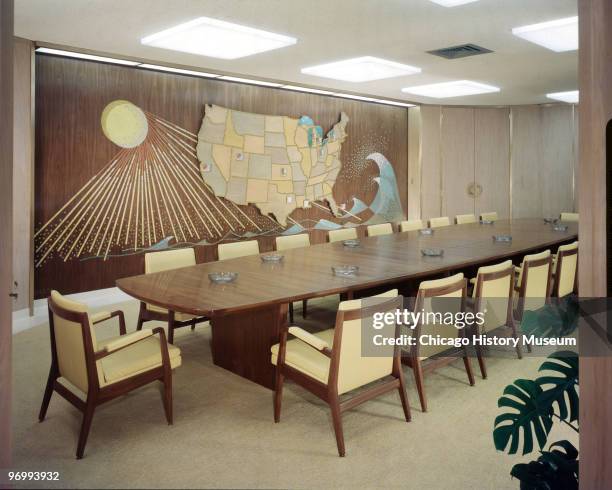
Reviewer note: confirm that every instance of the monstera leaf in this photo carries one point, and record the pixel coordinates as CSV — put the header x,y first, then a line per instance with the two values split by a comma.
x,y
558,319
556,469
565,364
528,413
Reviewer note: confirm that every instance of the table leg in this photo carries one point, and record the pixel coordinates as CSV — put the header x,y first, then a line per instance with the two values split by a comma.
x,y
241,342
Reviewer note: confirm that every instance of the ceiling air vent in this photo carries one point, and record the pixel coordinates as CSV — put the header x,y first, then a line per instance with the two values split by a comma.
x,y
461,51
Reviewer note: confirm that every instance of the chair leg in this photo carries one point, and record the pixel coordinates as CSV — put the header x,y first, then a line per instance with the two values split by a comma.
x,y
193,324
304,308
404,397
519,351
171,327
167,399
418,379
85,426
140,317
468,369
278,394
334,404
290,312
481,362
47,396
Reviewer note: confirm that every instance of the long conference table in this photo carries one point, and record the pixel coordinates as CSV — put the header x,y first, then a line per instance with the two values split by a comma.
x,y
246,316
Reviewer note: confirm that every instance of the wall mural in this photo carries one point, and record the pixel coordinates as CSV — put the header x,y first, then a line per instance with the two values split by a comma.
x,y
168,187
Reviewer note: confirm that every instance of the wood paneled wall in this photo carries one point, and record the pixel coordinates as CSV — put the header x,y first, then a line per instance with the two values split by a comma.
x,y
71,148
522,157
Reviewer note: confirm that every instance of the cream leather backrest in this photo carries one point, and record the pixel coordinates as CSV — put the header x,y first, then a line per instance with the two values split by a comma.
x,y
463,219
536,289
354,370
489,216
292,241
439,222
569,217
341,234
69,343
566,273
381,229
412,225
431,328
169,259
238,249
495,294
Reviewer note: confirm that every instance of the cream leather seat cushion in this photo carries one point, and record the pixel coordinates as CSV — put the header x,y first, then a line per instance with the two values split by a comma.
x,y
304,358
178,316
135,359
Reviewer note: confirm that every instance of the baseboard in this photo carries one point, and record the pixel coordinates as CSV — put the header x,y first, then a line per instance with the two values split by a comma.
x,y
97,299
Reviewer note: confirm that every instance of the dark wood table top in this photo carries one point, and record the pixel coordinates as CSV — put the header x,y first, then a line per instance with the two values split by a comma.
x,y
306,272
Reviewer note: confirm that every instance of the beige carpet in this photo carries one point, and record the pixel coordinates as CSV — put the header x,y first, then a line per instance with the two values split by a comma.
x,y
224,435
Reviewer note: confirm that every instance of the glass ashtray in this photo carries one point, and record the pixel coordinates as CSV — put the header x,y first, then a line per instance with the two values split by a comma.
x,y
345,270
432,252
271,258
222,277
560,227
486,221
426,231
502,238
352,243
550,220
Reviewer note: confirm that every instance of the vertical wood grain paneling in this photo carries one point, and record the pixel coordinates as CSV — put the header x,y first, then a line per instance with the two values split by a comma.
x,y
492,166
23,172
430,162
457,160
6,225
414,162
576,175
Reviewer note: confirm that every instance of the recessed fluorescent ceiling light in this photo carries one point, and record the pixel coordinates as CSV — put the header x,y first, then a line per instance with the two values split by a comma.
x,y
297,88
84,56
570,97
361,69
217,39
179,70
452,3
558,35
455,88
250,81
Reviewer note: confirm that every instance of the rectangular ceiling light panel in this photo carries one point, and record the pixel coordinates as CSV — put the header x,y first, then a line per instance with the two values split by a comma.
x,y
570,97
218,39
452,3
363,69
455,88
558,35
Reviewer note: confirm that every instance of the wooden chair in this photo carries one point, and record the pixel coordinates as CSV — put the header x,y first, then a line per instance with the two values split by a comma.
x,y
287,243
237,249
423,359
439,222
341,234
489,216
159,262
88,373
532,289
462,219
381,229
569,217
411,225
493,294
330,364
565,270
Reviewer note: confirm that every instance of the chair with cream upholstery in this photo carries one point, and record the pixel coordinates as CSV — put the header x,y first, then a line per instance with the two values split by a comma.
x,y
569,217
489,216
412,225
287,243
381,229
423,358
492,295
330,364
565,268
341,234
164,261
532,289
439,222
87,372
462,219
237,249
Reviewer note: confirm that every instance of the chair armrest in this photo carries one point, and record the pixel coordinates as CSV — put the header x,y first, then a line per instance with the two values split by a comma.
x,y
310,339
100,316
163,345
128,339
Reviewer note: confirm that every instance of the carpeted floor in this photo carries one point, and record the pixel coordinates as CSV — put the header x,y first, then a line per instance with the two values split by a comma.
x,y
224,435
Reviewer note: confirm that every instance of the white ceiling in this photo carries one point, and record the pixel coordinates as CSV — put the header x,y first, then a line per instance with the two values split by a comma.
x,y
330,30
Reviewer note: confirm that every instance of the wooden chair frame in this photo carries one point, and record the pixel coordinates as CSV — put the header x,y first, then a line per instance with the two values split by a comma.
x,y
421,367
329,392
561,255
146,315
95,394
